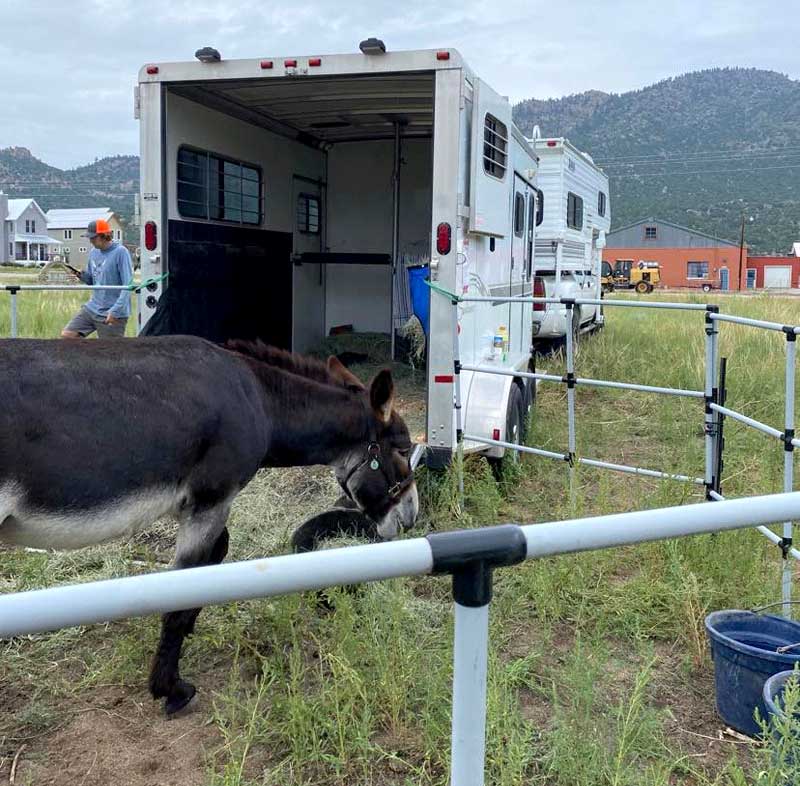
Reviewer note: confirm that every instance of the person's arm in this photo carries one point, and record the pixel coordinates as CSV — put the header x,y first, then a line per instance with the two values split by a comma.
x,y
86,276
119,309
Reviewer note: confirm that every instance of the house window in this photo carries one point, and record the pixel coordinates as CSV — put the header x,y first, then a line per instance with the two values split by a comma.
x,y
308,214
10,250
650,233
82,249
601,203
67,234
697,270
574,211
495,147
27,227
33,226
217,188
519,214
117,234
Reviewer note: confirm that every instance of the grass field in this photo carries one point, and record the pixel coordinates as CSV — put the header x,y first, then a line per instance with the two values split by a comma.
x,y
599,669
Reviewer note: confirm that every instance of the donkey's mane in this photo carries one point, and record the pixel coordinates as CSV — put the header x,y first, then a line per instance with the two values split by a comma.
x,y
301,365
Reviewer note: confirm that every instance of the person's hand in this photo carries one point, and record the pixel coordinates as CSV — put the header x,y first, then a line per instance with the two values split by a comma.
x,y
111,319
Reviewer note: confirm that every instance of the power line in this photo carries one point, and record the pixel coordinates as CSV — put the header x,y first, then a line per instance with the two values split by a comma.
x,y
787,149
705,172
696,159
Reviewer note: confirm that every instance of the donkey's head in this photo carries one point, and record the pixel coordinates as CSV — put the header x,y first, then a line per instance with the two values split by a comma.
x,y
376,474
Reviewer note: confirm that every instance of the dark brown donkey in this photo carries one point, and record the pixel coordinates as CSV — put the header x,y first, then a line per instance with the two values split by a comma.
x,y
100,438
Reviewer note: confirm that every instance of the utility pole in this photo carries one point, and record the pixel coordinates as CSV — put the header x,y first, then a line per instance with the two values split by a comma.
x,y
741,252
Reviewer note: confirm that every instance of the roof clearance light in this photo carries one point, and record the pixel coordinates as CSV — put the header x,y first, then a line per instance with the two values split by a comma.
x,y
443,234
372,46
551,143
266,64
152,69
443,55
315,61
290,63
150,236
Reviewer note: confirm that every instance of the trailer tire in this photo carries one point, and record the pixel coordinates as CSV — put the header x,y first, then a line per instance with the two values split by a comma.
x,y
513,433
528,390
706,287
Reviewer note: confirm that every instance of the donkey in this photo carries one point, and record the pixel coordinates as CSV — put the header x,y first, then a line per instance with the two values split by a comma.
x,y
101,438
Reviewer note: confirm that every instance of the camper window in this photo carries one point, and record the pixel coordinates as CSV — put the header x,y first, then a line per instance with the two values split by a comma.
x,y
221,189
495,147
574,211
539,208
308,214
601,203
519,214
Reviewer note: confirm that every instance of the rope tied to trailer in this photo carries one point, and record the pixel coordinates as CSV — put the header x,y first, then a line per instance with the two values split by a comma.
x,y
148,282
454,298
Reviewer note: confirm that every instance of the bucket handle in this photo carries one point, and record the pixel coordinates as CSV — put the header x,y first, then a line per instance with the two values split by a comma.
x,y
777,603
782,650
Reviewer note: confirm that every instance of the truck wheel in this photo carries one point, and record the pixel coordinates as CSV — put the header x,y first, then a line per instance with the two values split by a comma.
x,y
706,287
513,433
641,287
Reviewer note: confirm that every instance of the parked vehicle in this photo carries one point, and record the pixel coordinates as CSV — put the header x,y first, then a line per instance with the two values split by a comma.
x,y
641,276
575,218
280,194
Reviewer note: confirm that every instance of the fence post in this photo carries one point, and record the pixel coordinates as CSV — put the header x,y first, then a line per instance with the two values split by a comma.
x,y
788,467
457,406
570,380
470,557
710,396
12,290
138,310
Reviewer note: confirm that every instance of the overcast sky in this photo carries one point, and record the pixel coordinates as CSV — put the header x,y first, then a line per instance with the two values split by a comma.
x,y
67,70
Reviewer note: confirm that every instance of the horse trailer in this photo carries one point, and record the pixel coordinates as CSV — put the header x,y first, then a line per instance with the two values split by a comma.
x,y
570,238
281,195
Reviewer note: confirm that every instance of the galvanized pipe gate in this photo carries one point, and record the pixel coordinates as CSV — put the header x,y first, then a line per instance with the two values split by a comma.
x,y
469,557
714,411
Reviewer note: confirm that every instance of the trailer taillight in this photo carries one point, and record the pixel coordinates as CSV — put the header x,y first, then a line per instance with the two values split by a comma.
x,y
315,61
539,291
150,236
496,434
443,234
265,64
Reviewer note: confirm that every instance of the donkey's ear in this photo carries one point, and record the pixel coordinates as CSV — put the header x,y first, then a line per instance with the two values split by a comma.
x,y
381,395
339,371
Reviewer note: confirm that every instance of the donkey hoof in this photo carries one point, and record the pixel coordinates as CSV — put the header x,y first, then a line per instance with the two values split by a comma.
x,y
179,697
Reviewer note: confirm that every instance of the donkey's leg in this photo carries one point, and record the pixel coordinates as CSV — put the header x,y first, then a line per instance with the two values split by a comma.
x,y
202,540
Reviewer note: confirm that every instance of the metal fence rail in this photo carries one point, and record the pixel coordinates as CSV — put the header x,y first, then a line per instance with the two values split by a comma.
x,y
468,556
14,290
714,411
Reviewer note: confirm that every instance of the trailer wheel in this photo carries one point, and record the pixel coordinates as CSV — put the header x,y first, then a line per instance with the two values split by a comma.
x,y
528,400
706,287
513,433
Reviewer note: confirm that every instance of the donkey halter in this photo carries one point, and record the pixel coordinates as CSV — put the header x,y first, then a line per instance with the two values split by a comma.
x,y
375,460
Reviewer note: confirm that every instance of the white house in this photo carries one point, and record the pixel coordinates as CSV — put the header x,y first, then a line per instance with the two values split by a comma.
x,y
25,239
68,225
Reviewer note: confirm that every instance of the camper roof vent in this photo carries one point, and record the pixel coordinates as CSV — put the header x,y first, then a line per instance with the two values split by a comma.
x,y
373,46
208,55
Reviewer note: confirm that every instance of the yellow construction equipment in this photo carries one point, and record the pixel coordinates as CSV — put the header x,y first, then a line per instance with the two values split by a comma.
x,y
641,276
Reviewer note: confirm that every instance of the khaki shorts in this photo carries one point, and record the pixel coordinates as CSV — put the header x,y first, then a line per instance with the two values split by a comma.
x,y
84,323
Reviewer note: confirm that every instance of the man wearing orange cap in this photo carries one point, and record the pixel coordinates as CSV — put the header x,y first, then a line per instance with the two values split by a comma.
x,y
107,310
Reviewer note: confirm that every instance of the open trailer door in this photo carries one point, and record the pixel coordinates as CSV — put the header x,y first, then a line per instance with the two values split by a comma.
x,y
491,165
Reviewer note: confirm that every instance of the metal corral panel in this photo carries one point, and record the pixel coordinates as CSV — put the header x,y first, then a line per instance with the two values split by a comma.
x,y
668,235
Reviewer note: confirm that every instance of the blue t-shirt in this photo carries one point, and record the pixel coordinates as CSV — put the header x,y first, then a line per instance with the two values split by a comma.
x,y
112,266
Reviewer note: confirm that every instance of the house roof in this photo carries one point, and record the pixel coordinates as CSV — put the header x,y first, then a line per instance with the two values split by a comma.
x,y
76,218
796,249
652,220
43,239
16,207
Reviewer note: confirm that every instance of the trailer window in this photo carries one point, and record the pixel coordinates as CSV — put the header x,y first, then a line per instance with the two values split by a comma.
x,y
539,208
216,188
495,147
574,211
519,214
308,214
601,203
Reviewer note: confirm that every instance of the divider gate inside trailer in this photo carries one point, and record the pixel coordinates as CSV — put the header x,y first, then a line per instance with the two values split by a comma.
x,y
711,395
